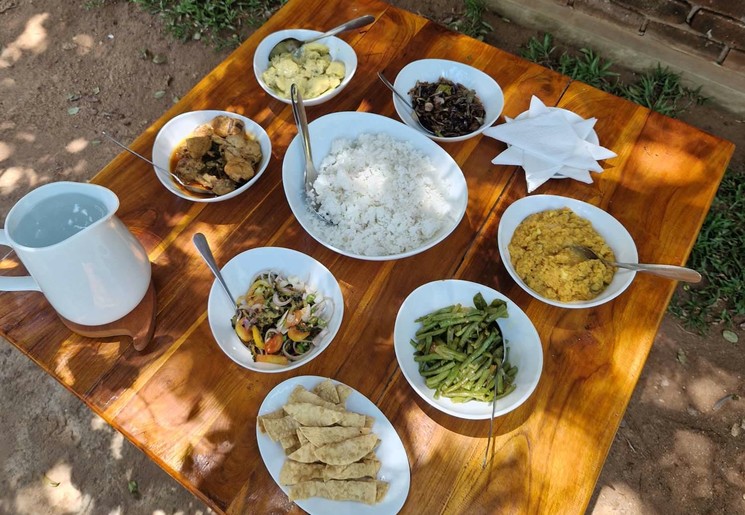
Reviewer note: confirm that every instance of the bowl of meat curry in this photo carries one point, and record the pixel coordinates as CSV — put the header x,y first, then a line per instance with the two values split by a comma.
x,y
223,152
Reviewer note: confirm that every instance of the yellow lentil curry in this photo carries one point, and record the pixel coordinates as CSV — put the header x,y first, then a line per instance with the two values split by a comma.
x,y
541,257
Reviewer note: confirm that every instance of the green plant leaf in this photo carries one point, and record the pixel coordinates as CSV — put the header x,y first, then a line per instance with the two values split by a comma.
x,y
133,487
72,111
730,336
159,94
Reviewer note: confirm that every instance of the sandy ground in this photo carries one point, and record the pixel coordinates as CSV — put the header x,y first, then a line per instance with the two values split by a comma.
x,y
674,453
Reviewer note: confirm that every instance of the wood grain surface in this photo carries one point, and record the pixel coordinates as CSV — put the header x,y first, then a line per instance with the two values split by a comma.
x,y
193,411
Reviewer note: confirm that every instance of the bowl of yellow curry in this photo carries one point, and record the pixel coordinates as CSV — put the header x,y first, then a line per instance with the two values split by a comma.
x,y
320,69
537,237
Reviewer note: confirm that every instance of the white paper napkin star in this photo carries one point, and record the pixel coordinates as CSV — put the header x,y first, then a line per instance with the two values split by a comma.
x,y
550,143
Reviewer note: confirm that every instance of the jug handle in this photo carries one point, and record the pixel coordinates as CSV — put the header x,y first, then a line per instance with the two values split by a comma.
x,y
24,283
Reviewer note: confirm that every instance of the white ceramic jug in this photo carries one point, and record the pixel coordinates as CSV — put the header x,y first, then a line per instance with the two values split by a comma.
x,y
80,255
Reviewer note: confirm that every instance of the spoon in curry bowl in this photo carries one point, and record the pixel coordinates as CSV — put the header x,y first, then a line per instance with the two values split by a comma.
x,y
293,46
199,190
679,273
407,103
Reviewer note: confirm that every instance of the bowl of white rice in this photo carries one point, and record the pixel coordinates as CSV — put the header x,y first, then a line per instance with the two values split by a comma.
x,y
385,190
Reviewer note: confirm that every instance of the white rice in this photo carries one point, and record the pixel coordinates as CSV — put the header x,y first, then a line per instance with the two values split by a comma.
x,y
381,195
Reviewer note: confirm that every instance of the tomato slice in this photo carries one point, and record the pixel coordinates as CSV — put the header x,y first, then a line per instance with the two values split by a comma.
x,y
273,344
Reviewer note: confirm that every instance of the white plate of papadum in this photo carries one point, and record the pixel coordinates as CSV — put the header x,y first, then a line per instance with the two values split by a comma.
x,y
331,450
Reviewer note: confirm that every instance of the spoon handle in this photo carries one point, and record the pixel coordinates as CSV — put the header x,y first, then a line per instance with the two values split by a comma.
x,y
193,189
301,119
670,271
351,24
125,147
200,242
395,92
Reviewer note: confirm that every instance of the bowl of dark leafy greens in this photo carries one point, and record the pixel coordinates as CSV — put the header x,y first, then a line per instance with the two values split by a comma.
x,y
451,99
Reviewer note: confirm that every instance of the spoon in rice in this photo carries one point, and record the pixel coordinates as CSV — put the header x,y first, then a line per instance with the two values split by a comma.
x,y
310,174
414,116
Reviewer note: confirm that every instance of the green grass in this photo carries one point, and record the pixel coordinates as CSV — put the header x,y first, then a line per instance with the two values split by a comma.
x,y
718,254
661,90
472,22
718,251
658,89
223,23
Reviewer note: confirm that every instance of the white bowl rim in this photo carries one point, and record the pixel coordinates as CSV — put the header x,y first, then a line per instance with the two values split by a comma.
x,y
403,113
530,342
205,115
414,136
266,44
612,231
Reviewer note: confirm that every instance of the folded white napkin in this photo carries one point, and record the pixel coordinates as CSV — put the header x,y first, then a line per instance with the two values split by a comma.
x,y
550,143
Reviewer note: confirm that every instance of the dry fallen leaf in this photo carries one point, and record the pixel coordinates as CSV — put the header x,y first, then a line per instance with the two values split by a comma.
x,y
736,430
159,94
73,111
53,484
682,358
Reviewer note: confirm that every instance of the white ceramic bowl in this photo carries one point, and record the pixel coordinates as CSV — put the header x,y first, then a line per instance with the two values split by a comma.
x,y
338,48
522,339
240,271
431,70
326,129
615,234
179,128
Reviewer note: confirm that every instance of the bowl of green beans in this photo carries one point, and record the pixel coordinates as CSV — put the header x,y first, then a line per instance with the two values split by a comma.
x,y
463,346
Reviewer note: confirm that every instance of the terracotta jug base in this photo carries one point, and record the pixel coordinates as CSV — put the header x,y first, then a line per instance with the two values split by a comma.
x,y
139,324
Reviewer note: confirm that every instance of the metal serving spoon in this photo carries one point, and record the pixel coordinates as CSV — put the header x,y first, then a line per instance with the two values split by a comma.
x,y
199,190
670,271
310,174
406,103
292,45
200,242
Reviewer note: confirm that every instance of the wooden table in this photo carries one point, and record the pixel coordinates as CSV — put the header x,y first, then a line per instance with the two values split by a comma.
x,y
193,411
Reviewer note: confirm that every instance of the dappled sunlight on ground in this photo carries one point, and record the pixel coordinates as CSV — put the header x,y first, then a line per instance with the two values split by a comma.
x,y
56,493
17,177
77,145
695,452
33,39
617,498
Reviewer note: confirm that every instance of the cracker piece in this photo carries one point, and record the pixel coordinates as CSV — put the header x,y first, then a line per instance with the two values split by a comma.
x,y
305,454
348,451
278,428
327,391
294,472
380,490
360,491
351,419
301,437
269,416
290,443
357,470
319,436
343,391
300,394
312,415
